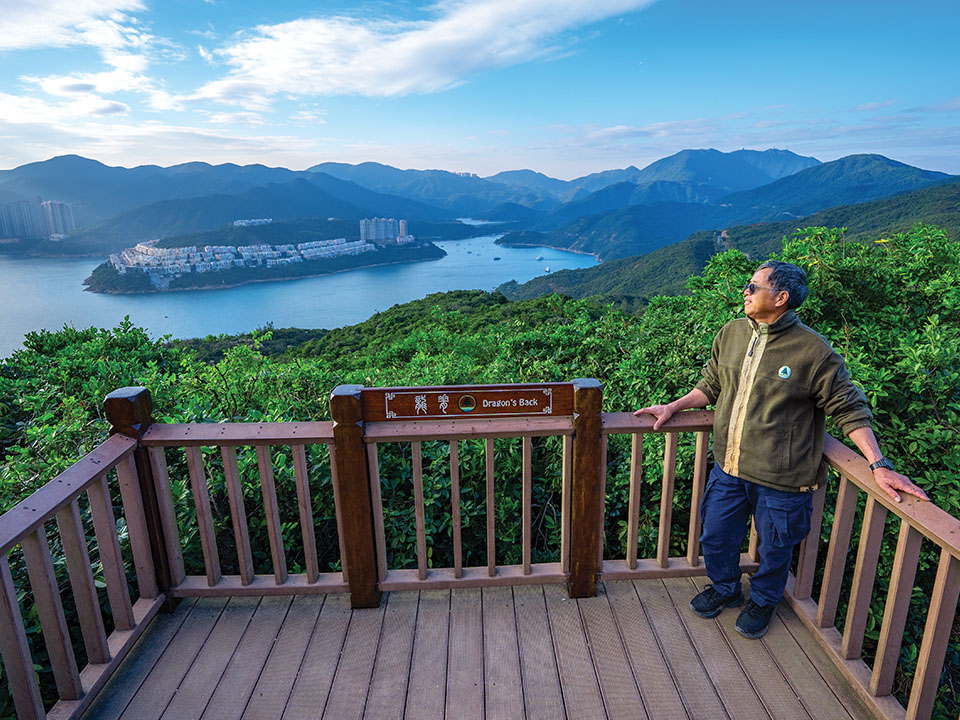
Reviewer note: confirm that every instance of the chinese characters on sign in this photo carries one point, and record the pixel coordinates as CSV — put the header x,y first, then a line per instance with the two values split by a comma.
x,y
468,401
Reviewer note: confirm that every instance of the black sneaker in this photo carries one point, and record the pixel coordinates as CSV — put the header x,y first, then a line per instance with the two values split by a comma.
x,y
710,603
754,620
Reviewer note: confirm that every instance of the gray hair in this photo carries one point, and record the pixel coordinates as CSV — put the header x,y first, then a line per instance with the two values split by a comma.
x,y
789,277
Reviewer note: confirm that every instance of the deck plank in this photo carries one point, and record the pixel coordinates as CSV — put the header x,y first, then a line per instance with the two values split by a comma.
x,y
243,670
503,687
578,679
426,689
159,686
696,688
543,699
119,690
201,682
319,665
280,671
657,688
621,697
812,649
388,685
352,679
721,662
761,669
465,680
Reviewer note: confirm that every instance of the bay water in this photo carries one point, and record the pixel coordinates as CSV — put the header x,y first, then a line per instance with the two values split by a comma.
x,y
48,293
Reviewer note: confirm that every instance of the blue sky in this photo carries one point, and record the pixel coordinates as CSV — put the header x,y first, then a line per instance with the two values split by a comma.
x,y
565,87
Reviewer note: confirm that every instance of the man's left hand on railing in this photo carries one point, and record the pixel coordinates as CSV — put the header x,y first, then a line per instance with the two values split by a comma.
x,y
890,481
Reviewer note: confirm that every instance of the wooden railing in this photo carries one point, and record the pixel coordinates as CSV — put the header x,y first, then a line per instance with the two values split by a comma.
x,y
142,454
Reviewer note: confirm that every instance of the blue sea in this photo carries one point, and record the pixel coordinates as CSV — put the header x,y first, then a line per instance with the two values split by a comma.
x,y
38,293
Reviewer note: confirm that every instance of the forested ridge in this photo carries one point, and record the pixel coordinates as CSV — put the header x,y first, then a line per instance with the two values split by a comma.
x,y
891,306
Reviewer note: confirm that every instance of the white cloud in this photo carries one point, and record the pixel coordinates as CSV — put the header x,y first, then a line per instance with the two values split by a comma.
x,y
205,54
309,116
59,23
866,107
349,56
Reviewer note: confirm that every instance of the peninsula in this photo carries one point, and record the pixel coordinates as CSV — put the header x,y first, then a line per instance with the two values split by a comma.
x,y
147,268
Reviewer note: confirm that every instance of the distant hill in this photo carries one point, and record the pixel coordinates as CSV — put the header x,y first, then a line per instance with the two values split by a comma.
x,y
99,191
632,280
740,170
638,229
852,179
464,195
297,199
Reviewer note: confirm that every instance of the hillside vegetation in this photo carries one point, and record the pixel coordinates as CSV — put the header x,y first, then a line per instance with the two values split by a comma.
x,y
629,282
891,306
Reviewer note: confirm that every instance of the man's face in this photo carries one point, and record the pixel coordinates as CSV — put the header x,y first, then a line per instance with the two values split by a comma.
x,y
765,304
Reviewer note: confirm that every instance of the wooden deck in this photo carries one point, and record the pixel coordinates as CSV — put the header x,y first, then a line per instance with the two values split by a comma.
x,y
634,651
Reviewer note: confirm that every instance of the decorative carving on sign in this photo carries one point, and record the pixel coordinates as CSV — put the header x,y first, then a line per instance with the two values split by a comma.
x,y
467,401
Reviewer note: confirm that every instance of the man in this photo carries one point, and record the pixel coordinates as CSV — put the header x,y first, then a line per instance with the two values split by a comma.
x,y
773,380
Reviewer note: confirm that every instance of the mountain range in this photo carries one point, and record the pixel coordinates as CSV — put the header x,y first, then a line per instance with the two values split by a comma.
x,y
612,214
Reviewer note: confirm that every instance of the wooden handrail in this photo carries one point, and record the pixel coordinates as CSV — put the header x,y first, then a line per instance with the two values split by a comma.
x,y
29,514
358,504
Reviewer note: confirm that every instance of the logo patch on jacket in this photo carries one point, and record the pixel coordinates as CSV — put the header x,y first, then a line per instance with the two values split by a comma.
x,y
784,372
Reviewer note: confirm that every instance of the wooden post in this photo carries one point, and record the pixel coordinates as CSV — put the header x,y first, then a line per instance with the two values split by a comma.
x,y
585,488
129,411
355,500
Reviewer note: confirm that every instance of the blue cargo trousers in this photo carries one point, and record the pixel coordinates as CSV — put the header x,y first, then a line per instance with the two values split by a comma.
x,y
782,519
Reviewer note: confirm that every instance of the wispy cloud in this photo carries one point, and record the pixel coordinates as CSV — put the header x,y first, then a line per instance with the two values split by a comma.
x,y
60,23
948,106
352,56
867,107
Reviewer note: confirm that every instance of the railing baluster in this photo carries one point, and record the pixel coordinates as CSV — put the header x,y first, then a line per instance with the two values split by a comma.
x,y
305,506
696,495
373,462
936,636
81,583
418,510
46,598
527,481
168,518
105,527
809,548
666,499
137,527
868,553
338,511
491,510
837,553
201,501
272,512
17,663
603,500
636,477
238,513
895,610
566,475
455,507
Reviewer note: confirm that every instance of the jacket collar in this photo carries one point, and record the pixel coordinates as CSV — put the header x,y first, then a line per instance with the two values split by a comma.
x,y
788,319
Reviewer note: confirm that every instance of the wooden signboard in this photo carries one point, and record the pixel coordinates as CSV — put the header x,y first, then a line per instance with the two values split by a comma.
x,y
460,401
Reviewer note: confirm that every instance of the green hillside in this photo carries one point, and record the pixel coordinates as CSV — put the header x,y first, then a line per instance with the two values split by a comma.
x,y
630,280
890,307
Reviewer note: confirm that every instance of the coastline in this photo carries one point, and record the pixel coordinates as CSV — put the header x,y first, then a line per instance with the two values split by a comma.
x,y
159,291
552,247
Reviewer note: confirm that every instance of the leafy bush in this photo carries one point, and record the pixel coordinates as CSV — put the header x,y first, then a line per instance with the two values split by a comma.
x,y
892,307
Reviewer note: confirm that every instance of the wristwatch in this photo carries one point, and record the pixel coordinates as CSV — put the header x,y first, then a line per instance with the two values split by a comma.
x,y
881,463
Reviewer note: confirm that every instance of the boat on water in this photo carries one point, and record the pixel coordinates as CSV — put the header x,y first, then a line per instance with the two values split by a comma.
x,y
547,268
496,258
539,258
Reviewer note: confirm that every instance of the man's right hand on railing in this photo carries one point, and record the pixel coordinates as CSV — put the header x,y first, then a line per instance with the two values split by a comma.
x,y
693,399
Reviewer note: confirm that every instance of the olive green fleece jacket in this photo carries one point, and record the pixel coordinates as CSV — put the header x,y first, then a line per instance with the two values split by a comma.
x,y
773,385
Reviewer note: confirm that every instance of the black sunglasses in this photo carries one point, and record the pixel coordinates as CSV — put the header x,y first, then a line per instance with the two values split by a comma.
x,y
752,287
